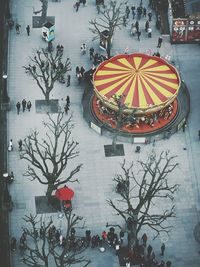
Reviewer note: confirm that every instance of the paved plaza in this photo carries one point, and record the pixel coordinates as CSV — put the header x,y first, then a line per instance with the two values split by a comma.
x,y
96,176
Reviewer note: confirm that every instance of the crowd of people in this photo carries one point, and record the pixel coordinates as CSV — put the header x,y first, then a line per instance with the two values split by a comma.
x,y
140,253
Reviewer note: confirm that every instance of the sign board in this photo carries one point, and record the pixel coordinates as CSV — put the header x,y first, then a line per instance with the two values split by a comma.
x,y
139,140
179,33
186,30
95,128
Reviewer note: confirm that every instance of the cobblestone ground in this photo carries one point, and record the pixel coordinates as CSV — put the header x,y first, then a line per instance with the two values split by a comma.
x,y
96,176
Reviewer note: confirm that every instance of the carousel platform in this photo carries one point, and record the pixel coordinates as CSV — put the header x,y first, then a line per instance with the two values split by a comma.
x,y
161,130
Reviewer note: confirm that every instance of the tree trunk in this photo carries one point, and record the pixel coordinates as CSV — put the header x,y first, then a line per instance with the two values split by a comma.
x,y
50,189
114,142
132,237
47,96
44,10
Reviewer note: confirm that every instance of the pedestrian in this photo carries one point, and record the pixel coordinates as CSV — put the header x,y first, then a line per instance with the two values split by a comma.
x,y
117,247
144,239
28,105
150,15
138,35
68,100
126,50
199,134
83,48
124,21
77,5
28,30
13,244
18,105
84,2
77,71
146,26
79,78
149,250
91,53
10,146
68,80
66,108
104,235
162,248
23,105
127,12
17,27
144,12
121,235
160,41
133,11
149,32
11,177
20,144
133,29
82,71
137,26
184,126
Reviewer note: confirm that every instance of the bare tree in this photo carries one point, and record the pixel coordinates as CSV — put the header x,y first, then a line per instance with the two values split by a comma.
x,y
44,250
140,192
46,68
111,19
49,156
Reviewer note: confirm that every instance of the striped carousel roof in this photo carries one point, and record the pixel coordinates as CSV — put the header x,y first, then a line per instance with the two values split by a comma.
x,y
143,81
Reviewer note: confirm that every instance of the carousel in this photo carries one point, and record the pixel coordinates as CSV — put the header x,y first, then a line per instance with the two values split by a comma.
x,y
147,87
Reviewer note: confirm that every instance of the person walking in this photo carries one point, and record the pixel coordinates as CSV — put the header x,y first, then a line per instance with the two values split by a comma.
x,y
20,144
144,12
77,71
133,11
199,134
10,146
150,15
149,250
28,30
18,105
82,71
77,5
23,105
160,40
68,100
149,30
91,53
127,12
144,239
162,248
138,35
29,105
17,28
146,26
83,48
68,80
137,26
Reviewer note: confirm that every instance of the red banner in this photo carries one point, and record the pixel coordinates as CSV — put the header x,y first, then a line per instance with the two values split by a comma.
x,y
179,33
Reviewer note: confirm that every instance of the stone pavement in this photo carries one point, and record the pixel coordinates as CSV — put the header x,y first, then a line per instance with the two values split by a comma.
x,y
96,185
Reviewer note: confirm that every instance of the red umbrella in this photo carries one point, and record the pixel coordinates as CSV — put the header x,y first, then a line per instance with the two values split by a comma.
x,y
64,193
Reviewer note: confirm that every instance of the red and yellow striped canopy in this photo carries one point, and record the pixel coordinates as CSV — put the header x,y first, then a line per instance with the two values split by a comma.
x,y
142,81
